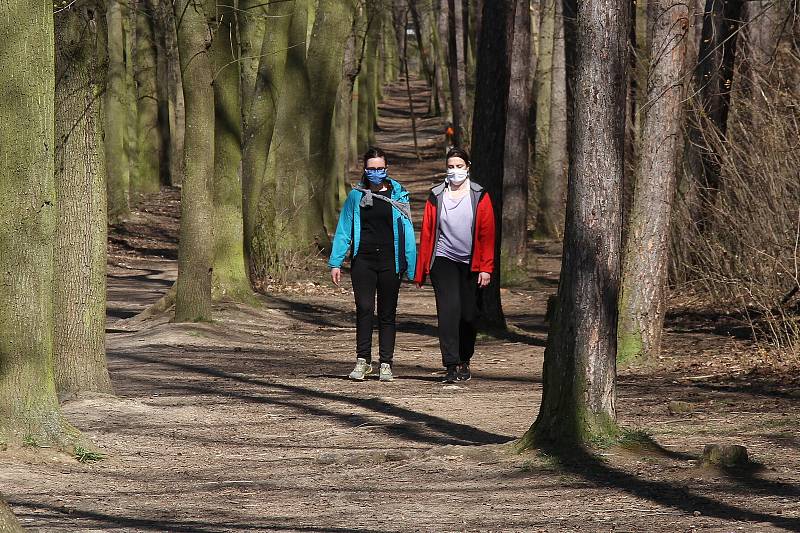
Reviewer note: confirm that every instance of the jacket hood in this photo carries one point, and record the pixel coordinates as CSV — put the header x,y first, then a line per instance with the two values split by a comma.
x,y
439,189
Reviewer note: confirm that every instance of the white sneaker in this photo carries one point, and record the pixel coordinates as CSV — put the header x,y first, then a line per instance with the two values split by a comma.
x,y
385,373
362,370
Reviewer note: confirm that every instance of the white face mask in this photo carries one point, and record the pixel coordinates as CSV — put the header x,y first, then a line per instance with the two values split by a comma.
x,y
457,175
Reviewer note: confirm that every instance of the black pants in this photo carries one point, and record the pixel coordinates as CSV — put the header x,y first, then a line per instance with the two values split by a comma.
x,y
371,271
456,289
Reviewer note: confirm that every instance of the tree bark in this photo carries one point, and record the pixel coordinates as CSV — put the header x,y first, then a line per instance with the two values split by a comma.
x,y
457,71
579,377
28,404
129,11
79,359
714,79
118,185
515,159
766,20
195,251
441,41
642,301
148,133
326,51
259,113
294,203
229,278
493,74
167,34
551,125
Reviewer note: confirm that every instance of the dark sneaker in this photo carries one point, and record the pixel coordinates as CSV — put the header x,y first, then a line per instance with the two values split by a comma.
x,y
362,370
451,375
463,373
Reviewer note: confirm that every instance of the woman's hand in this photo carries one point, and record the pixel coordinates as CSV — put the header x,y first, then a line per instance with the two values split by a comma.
x,y
336,275
483,279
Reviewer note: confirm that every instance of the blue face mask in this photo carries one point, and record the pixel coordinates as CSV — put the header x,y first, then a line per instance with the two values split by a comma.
x,y
376,177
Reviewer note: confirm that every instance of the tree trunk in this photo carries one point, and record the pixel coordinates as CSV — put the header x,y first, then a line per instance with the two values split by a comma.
x,y
259,112
28,403
550,212
131,94
294,192
162,90
493,74
457,71
148,134
195,251
79,356
167,34
515,159
714,79
367,83
332,26
118,185
427,66
441,41
229,278
766,20
579,373
340,148
642,301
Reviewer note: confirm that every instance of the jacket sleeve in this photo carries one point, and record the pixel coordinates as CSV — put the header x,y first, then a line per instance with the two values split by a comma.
x,y
411,248
425,241
486,234
343,237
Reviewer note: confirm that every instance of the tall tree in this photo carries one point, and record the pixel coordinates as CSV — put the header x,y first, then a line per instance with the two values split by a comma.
x,y
714,79
493,74
424,55
457,70
118,183
440,42
579,373
80,192
290,172
260,96
551,125
195,251
326,51
129,11
148,134
644,277
230,275
515,158
171,82
28,404
766,20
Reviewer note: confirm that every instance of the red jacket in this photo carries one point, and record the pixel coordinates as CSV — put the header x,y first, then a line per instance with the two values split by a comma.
x,y
482,259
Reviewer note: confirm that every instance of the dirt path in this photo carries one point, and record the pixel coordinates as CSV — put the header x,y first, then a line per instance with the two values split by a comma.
x,y
248,424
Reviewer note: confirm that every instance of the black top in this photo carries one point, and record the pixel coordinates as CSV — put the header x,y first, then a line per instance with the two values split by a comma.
x,y
377,234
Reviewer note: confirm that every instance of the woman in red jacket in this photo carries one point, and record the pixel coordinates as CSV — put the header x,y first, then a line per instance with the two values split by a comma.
x,y
457,250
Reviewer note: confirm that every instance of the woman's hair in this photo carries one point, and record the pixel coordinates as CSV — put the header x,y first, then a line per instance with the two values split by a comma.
x,y
459,152
372,152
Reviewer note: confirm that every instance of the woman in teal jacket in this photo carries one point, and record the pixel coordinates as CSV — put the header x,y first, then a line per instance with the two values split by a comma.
x,y
376,222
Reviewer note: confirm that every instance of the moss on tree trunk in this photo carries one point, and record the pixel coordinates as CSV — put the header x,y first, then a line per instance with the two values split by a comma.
x,y
28,404
230,275
195,251
147,179
642,302
579,376
118,185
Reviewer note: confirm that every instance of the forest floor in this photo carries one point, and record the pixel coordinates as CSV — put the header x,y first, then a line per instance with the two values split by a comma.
x,y
249,423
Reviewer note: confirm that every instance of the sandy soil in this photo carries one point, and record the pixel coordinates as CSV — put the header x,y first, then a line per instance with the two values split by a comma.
x,y
248,423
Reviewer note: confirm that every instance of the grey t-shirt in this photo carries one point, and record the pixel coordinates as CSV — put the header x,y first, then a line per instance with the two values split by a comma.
x,y
455,229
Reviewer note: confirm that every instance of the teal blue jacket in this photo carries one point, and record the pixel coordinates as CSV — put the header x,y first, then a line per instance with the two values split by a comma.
x,y
348,232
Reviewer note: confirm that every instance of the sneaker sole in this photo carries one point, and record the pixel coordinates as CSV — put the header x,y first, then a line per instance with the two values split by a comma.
x,y
385,379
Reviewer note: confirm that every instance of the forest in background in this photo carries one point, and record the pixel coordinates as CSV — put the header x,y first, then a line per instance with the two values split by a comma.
x,y
657,140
